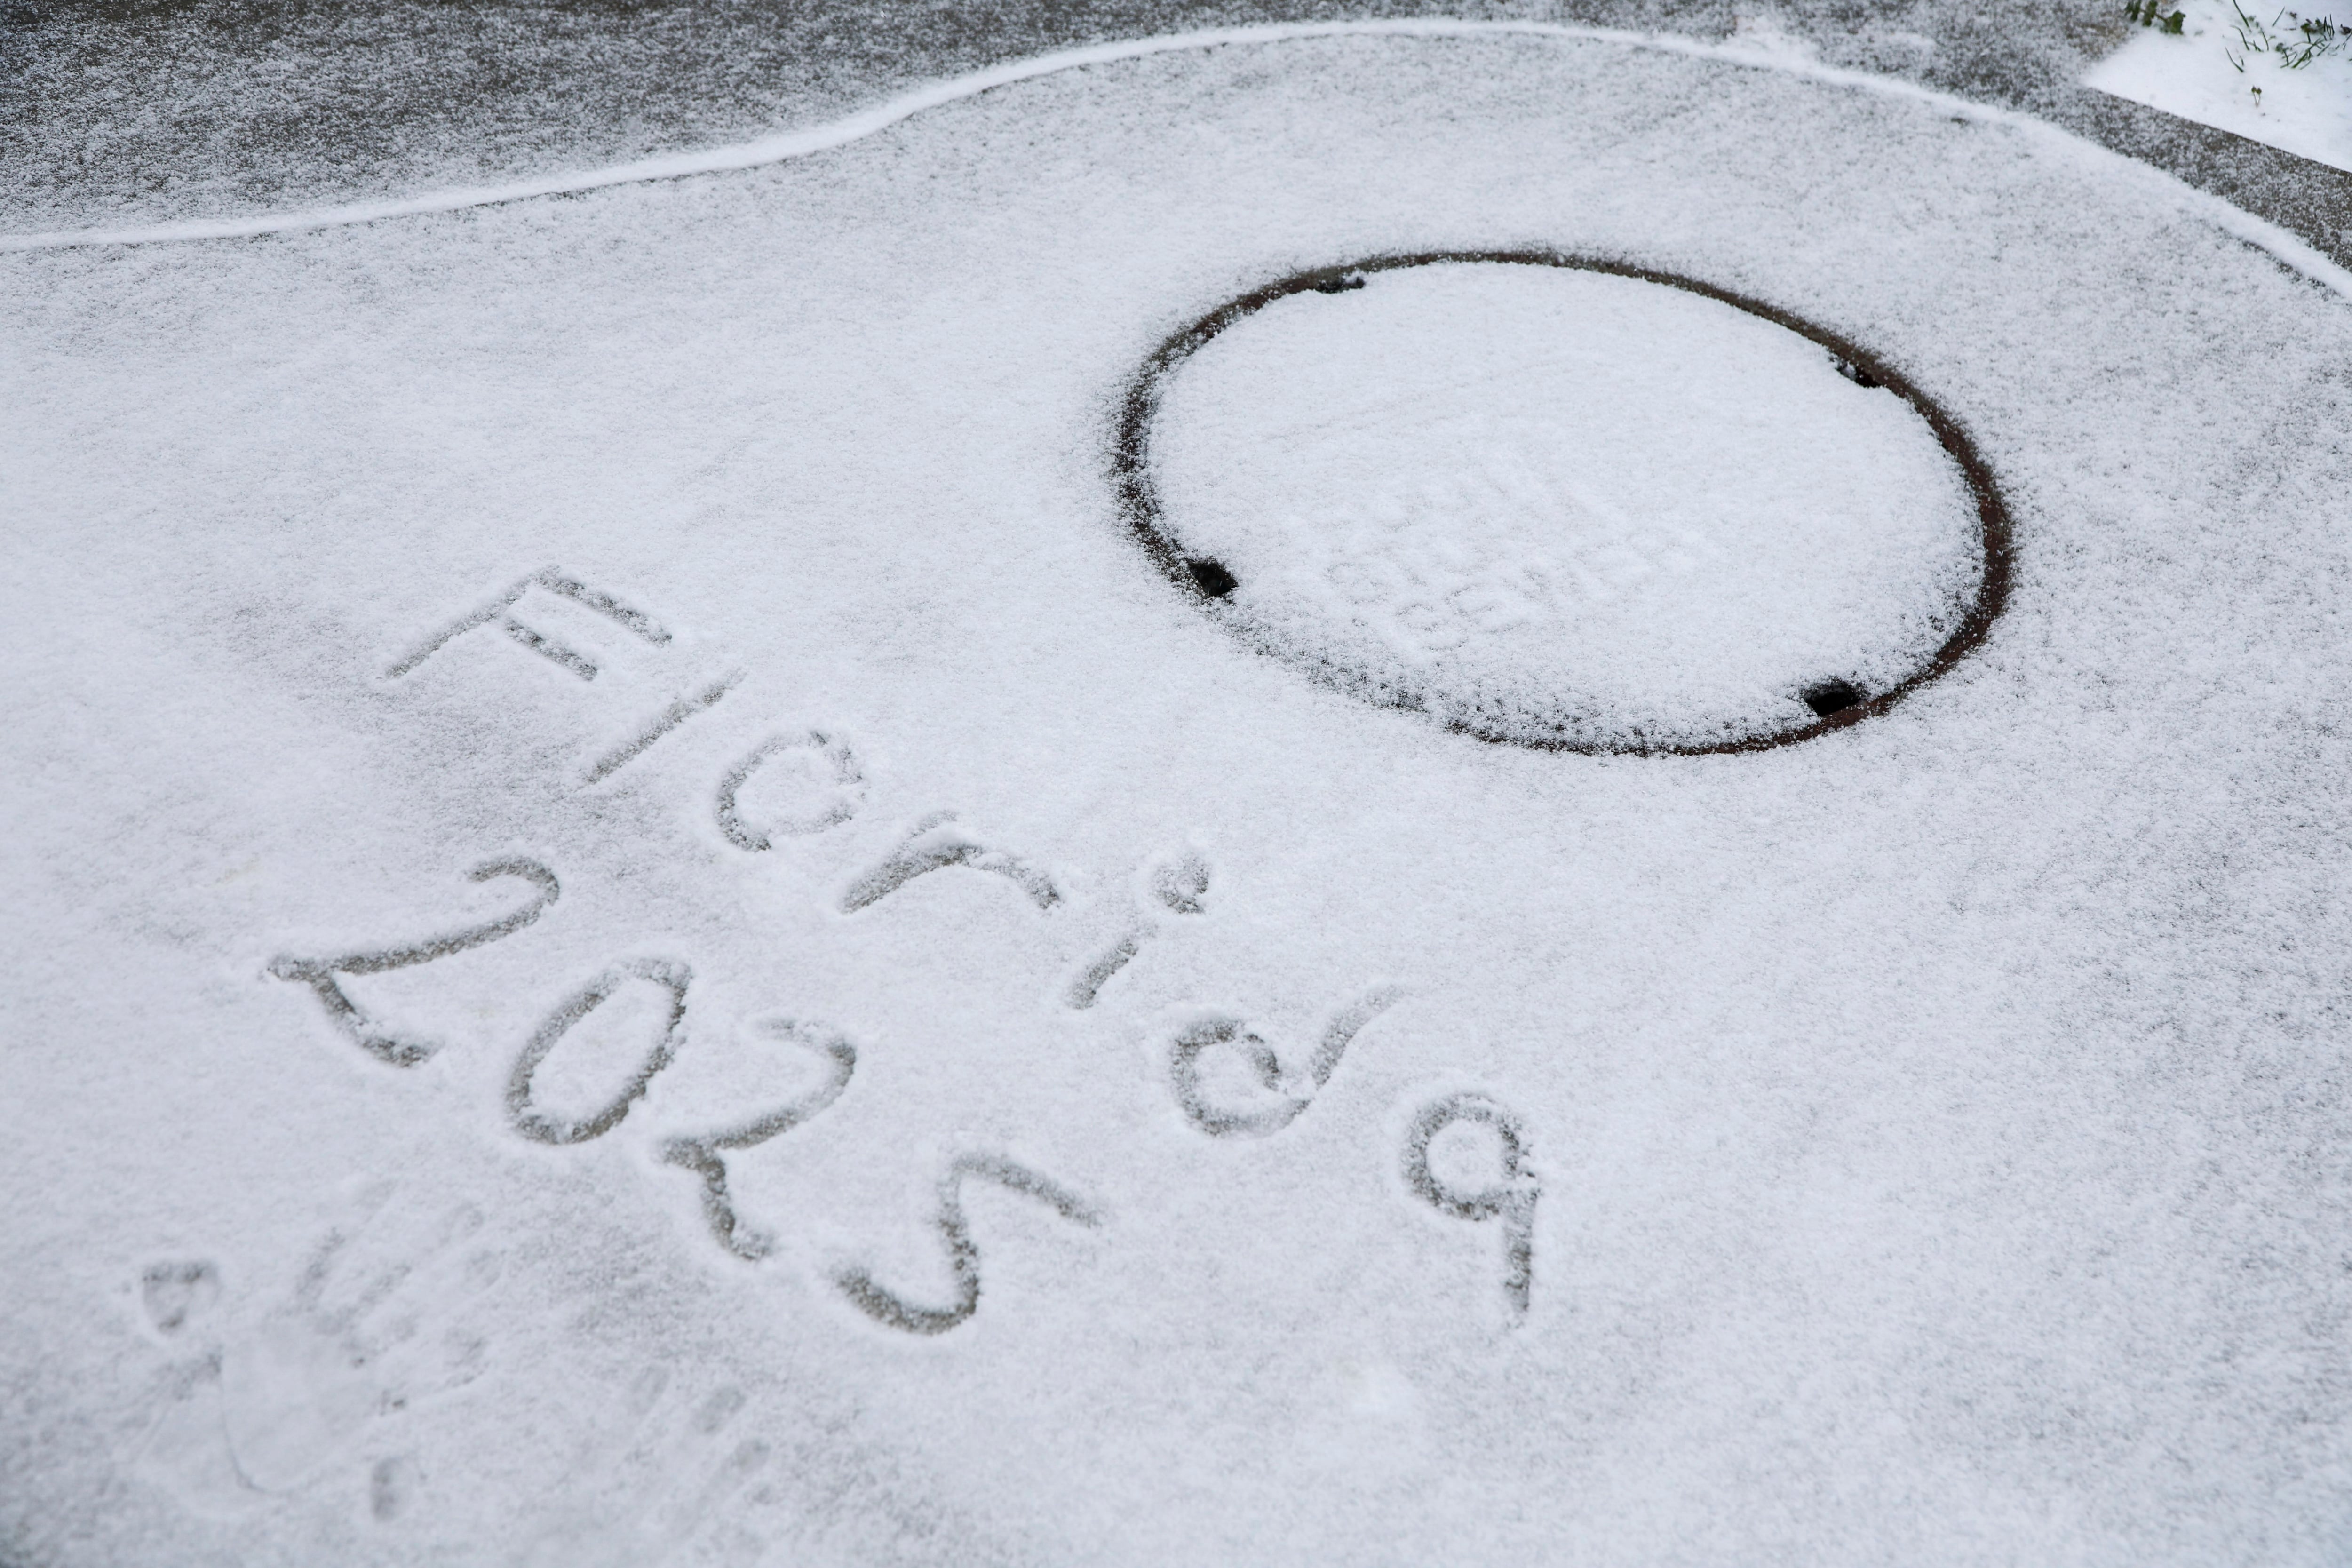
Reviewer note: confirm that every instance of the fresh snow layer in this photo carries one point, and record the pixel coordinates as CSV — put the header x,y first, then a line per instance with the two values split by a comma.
x,y
1564,507
2206,73
509,1061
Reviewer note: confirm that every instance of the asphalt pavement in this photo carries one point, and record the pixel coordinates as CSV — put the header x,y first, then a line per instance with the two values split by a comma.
x,y
127,112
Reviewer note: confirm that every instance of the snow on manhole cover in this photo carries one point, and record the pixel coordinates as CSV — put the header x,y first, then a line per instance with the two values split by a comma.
x,y
1564,503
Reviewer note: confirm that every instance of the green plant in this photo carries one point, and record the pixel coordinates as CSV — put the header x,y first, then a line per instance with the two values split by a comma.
x,y
2294,40
2151,14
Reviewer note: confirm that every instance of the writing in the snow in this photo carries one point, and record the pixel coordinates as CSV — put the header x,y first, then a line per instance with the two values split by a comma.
x,y
1272,1092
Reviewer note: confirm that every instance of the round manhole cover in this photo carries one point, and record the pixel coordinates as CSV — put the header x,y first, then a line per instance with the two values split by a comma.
x,y
1563,502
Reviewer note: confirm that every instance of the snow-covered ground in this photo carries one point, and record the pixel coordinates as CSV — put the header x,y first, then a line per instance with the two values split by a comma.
x,y
652,920
2218,72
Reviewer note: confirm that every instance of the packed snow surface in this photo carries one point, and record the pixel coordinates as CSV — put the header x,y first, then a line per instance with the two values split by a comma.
x,y
641,930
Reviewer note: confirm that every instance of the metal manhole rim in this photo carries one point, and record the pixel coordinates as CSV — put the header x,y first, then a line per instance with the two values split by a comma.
x,y
1138,502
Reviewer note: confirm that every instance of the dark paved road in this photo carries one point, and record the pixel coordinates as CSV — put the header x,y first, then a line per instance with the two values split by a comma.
x,y
138,111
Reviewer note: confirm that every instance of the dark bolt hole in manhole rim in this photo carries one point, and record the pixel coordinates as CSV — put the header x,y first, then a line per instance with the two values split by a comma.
x,y
1836,702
